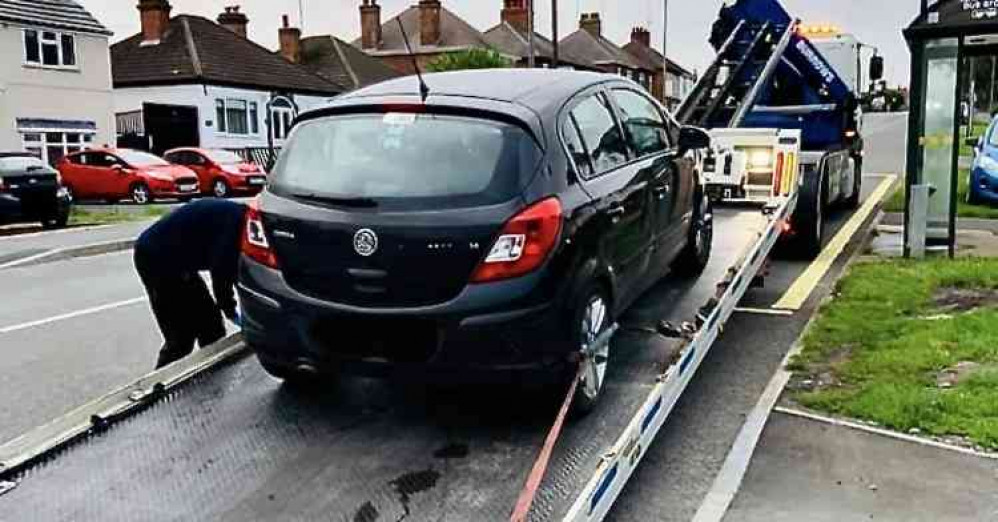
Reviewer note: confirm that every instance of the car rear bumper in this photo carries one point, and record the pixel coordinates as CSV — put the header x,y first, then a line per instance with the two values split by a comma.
x,y
16,207
984,186
287,328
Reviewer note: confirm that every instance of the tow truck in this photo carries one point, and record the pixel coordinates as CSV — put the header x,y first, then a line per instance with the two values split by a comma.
x,y
213,437
768,79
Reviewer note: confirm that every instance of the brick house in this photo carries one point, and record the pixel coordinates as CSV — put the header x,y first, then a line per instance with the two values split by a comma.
x,y
680,81
433,31
602,54
510,38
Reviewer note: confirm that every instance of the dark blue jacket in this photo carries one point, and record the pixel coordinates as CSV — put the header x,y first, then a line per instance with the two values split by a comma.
x,y
203,235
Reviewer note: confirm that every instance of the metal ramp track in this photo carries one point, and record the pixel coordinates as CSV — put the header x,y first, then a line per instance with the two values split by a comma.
x,y
234,444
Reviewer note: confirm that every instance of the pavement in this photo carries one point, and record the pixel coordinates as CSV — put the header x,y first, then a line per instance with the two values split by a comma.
x,y
809,470
14,248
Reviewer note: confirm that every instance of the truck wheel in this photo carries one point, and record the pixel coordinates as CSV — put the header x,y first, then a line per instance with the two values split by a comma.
x,y
591,317
857,186
694,258
809,217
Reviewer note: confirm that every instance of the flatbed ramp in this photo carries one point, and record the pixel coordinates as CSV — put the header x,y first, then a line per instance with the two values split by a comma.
x,y
235,444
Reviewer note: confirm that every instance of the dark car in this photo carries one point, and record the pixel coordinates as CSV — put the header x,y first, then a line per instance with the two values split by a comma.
x,y
31,191
502,224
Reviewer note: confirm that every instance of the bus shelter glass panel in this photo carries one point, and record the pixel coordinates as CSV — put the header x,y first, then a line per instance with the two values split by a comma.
x,y
941,67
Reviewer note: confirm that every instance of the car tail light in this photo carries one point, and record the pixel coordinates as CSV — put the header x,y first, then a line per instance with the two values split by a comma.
x,y
524,243
254,239
778,175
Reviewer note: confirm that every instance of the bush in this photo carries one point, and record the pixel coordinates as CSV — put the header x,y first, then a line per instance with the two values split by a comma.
x,y
470,59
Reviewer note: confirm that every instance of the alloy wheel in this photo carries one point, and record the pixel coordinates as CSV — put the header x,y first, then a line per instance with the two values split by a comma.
x,y
219,189
594,322
140,194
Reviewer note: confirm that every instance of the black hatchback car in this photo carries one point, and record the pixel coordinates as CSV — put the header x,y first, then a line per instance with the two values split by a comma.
x,y
503,223
30,191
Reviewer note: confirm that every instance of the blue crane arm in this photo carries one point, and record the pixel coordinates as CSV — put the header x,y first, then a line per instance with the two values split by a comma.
x,y
802,91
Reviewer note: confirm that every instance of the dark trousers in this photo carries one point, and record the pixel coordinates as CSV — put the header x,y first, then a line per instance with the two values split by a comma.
x,y
185,312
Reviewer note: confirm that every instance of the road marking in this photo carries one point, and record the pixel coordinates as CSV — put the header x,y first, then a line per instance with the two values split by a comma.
x,y
764,311
801,289
29,259
51,232
72,315
729,479
883,432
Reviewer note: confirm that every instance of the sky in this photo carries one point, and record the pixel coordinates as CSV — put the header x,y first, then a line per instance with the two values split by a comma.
x,y
875,22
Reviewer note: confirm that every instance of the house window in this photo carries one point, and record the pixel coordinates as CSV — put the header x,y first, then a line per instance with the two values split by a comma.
x,y
282,114
49,49
254,118
237,117
52,146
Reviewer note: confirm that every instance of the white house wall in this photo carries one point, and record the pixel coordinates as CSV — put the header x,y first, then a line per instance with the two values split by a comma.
x,y
203,98
33,92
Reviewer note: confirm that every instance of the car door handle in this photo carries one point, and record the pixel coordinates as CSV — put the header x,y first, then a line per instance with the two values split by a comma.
x,y
662,190
616,211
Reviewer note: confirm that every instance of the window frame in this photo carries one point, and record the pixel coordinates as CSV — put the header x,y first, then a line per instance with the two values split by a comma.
x,y
566,112
223,124
41,42
41,145
662,113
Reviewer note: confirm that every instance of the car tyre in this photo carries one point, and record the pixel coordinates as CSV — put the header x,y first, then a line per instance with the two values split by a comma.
x,y
220,188
59,220
695,256
857,186
809,217
140,194
972,197
591,316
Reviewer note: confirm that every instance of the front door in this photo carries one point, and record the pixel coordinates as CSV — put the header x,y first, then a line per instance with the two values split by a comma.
x,y
647,135
619,185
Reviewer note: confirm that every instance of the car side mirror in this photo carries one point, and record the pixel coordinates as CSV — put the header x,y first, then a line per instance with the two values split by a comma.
x,y
693,138
876,68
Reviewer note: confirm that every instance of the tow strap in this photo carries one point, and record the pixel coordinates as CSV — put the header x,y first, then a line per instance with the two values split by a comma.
x,y
529,491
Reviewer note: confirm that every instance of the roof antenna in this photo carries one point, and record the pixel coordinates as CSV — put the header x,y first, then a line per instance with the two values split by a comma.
x,y
424,90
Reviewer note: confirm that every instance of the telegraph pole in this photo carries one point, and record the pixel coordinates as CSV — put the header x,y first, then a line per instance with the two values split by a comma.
x,y
530,34
554,33
665,51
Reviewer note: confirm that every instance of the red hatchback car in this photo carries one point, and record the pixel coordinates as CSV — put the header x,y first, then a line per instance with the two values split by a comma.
x,y
116,174
221,173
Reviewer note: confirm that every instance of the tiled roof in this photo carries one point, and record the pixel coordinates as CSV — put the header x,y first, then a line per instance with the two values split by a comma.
x,y
455,33
506,39
650,57
342,63
598,50
56,14
197,50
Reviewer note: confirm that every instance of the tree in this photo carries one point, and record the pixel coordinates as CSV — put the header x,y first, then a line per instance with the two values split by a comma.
x,y
470,59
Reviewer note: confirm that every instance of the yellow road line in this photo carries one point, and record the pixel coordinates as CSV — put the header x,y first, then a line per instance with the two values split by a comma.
x,y
764,311
798,292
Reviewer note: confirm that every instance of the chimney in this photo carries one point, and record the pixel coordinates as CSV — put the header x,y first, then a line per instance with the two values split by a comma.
x,y
233,20
591,23
640,35
290,38
155,18
370,24
429,22
514,13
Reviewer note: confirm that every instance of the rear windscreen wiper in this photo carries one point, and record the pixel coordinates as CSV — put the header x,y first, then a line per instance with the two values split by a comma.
x,y
339,201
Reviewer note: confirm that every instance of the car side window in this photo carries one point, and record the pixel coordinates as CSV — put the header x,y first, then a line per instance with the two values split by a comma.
x,y
605,146
103,160
576,149
177,158
643,122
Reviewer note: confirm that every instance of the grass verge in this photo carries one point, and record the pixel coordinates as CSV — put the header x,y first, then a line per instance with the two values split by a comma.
x,y
897,348
84,216
963,209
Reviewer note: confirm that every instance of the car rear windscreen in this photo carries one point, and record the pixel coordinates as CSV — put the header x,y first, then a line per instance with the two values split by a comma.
x,y
22,164
405,159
